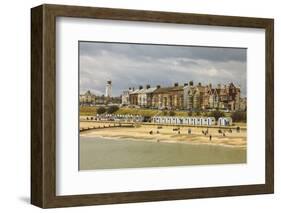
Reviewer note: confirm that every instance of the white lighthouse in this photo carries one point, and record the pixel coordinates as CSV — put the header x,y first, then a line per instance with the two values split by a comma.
x,y
108,89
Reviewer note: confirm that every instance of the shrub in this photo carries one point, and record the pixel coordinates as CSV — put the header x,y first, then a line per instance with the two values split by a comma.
x,y
101,110
147,118
172,113
239,116
217,114
112,109
198,113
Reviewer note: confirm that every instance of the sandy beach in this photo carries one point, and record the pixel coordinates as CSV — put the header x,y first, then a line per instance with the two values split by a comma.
x,y
168,135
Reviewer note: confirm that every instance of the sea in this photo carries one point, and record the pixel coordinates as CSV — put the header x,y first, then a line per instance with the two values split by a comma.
x,y
117,153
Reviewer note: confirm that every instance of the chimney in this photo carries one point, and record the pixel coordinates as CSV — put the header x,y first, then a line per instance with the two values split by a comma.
x,y
140,87
129,88
219,86
210,85
147,86
191,83
133,88
199,84
158,86
185,84
176,84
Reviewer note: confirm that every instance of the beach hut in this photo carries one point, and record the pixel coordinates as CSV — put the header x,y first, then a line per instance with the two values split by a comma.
x,y
191,121
224,121
163,120
203,121
211,121
156,120
173,120
180,120
197,121
185,120
168,120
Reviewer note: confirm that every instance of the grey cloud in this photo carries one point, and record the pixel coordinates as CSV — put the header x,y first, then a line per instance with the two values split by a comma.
x,y
129,65
164,51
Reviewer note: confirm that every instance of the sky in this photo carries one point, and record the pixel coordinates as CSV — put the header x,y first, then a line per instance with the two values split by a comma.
x,y
132,65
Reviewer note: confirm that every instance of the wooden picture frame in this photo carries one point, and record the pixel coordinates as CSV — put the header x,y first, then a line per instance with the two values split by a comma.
x,y
43,105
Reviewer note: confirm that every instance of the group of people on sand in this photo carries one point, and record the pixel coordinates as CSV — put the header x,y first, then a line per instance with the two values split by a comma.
x,y
204,132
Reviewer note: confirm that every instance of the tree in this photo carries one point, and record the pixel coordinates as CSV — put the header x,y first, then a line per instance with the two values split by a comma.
x,y
217,114
165,113
239,116
112,109
101,110
189,113
198,113
172,113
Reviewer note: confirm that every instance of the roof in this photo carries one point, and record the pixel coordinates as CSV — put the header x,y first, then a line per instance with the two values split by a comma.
x,y
149,90
135,91
168,89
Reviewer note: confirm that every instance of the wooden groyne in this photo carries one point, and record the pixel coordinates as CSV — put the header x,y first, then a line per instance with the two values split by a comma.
x,y
107,126
131,124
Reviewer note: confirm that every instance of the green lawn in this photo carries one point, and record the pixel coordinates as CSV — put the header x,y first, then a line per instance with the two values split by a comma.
x,y
91,111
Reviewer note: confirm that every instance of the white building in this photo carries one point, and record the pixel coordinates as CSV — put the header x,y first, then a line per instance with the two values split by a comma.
x,y
145,96
194,121
125,98
108,89
225,121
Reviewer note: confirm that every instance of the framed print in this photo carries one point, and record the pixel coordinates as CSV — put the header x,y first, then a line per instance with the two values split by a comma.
x,y
136,106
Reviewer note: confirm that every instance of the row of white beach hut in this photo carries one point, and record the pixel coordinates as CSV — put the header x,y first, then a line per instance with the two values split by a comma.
x,y
200,121
117,117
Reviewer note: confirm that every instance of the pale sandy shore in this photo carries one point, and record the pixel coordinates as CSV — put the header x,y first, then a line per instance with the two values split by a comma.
x,y
166,134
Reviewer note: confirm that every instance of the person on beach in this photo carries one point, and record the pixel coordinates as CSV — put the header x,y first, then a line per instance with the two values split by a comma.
x,y
151,132
189,131
238,129
210,138
179,132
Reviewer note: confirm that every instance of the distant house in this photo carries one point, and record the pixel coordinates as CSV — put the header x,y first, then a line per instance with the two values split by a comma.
x,y
87,99
133,96
187,97
199,97
168,97
125,98
242,104
145,96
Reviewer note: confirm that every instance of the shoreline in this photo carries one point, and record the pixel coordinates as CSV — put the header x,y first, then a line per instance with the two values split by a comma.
x,y
163,141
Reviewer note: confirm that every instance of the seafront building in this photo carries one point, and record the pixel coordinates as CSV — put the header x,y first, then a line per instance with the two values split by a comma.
x,y
145,96
87,99
187,97
206,97
168,97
